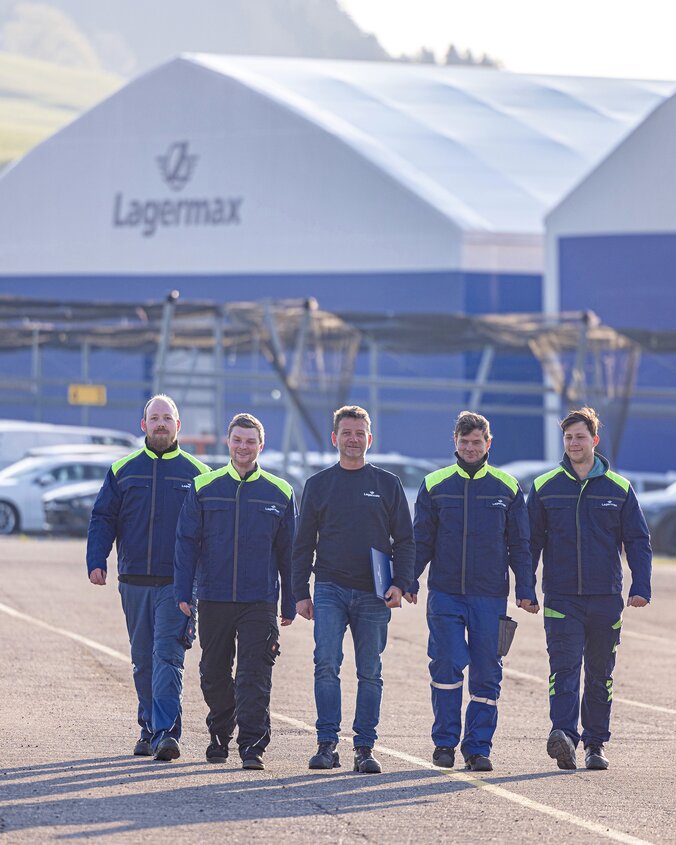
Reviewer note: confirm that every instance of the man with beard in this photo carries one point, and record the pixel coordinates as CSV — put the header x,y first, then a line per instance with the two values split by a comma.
x,y
138,507
471,526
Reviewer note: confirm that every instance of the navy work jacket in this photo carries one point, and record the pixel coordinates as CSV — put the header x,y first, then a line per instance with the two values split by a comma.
x,y
137,508
581,528
236,535
473,530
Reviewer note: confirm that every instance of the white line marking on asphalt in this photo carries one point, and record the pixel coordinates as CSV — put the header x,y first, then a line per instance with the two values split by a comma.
x,y
652,638
561,815
524,676
499,791
10,611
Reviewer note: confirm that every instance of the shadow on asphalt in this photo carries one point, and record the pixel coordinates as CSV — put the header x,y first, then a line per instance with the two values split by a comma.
x,y
243,797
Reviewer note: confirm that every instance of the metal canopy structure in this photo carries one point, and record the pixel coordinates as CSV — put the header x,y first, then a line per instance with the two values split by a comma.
x,y
308,356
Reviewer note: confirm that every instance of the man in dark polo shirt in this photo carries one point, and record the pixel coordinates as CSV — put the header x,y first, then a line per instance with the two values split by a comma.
x,y
346,510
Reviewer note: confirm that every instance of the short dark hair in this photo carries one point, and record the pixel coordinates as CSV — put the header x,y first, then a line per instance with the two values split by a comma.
x,y
352,412
247,421
588,416
468,421
164,398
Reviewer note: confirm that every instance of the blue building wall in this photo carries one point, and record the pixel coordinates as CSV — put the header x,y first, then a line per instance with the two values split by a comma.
x,y
442,292
629,281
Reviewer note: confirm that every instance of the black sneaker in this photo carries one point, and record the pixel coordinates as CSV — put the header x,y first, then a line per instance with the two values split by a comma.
x,y
444,756
216,753
560,747
326,757
478,763
168,749
143,748
253,759
365,762
594,758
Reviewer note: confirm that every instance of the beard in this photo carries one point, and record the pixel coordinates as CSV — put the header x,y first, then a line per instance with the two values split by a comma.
x,y
160,439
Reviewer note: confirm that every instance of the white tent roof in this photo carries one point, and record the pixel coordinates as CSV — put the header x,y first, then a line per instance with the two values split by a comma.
x,y
631,191
493,150
323,166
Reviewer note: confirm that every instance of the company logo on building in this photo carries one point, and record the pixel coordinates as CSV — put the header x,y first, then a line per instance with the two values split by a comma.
x,y
176,167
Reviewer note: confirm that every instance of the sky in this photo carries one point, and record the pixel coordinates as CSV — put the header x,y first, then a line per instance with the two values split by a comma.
x,y
620,38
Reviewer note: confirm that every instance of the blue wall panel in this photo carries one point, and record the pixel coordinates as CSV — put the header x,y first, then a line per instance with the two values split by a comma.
x,y
630,282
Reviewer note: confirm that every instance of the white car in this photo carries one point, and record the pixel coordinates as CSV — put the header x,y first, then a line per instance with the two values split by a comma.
x,y
23,484
17,437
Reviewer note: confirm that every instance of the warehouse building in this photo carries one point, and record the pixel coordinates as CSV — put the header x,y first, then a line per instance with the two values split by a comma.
x,y
372,187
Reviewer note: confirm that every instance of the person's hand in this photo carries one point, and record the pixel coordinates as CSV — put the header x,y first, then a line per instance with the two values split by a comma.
x,y
285,621
98,577
305,608
184,607
411,598
636,601
528,605
393,597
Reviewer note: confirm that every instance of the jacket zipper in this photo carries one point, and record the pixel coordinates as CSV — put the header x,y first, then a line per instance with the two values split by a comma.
x,y
236,544
464,537
152,516
579,540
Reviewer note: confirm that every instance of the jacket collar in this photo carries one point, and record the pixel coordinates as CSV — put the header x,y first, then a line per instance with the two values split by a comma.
x,y
472,470
250,476
172,452
601,467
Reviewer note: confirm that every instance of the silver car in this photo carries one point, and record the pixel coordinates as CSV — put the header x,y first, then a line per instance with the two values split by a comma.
x,y
23,484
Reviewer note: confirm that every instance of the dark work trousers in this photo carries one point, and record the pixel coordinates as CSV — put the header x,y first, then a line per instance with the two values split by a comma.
x,y
582,628
245,629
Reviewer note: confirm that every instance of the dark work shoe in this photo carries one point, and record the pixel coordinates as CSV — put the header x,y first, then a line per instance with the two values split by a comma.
x,y
365,762
143,748
594,758
560,747
167,749
253,759
216,753
443,756
478,763
326,757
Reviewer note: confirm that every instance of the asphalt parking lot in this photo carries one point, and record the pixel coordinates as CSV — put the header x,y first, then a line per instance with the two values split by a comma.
x,y
68,728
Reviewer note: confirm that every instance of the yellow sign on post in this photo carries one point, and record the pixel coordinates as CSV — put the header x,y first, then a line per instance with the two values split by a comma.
x,y
87,394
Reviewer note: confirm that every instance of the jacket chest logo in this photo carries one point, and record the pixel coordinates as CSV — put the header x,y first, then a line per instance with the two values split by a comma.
x,y
498,503
372,494
609,504
273,509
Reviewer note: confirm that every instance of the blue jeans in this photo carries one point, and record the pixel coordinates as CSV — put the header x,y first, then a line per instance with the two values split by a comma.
x,y
154,624
368,616
464,631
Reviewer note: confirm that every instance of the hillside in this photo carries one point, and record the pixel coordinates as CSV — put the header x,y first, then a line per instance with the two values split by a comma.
x,y
129,36
37,98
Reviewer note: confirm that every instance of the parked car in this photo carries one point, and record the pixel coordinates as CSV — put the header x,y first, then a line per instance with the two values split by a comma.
x,y
17,437
67,509
659,509
23,484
